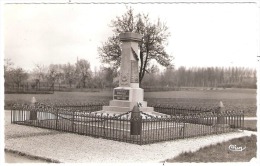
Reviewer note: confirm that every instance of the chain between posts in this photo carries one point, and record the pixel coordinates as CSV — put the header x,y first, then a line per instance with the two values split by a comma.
x,y
117,127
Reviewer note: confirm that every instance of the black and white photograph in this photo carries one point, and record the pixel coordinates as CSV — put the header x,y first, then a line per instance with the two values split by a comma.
x,y
129,82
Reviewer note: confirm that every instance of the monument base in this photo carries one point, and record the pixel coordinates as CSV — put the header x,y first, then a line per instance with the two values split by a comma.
x,y
124,100
122,110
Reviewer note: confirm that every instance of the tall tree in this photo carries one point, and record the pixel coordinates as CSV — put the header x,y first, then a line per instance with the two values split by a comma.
x,y
38,74
18,75
8,67
8,64
83,71
69,73
52,74
108,75
152,45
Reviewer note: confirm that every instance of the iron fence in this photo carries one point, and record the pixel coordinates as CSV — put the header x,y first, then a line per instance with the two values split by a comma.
x,y
165,109
144,129
180,110
86,107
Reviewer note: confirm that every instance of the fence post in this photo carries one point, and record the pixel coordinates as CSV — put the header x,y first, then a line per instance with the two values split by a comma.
x,y
57,113
221,115
135,121
220,119
12,114
243,118
141,132
73,116
183,127
33,112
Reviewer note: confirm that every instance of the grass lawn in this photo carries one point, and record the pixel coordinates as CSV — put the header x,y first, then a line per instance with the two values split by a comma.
x,y
221,152
57,97
233,99
250,125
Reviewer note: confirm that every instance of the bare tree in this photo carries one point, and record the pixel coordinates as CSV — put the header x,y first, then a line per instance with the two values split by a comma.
x,y
18,75
53,74
69,73
38,74
108,74
8,67
8,64
83,71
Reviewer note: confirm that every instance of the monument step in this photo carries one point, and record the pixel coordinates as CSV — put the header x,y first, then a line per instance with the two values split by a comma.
x,y
126,109
121,110
119,103
146,109
116,109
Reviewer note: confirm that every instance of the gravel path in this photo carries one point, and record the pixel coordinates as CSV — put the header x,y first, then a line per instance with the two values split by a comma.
x,y
75,148
70,148
16,158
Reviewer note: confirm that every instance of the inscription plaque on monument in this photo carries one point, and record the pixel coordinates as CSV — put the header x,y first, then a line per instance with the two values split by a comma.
x,y
134,72
121,94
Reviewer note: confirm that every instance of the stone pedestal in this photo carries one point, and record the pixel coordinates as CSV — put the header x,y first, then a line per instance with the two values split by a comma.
x,y
124,100
128,94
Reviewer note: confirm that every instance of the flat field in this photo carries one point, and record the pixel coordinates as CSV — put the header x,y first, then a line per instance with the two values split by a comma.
x,y
233,99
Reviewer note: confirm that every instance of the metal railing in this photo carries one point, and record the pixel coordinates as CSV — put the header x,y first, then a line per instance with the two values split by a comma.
x,y
120,128
180,110
86,107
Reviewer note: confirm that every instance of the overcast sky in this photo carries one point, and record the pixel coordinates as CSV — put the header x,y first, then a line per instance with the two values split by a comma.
x,y
201,34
